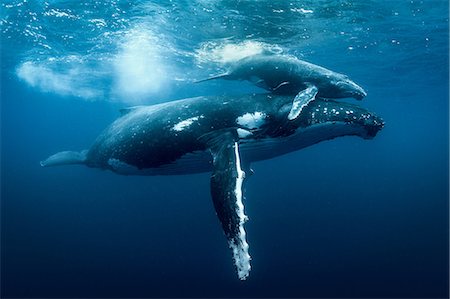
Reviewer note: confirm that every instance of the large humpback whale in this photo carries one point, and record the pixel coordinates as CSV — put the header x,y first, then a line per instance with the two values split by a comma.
x,y
288,75
223,135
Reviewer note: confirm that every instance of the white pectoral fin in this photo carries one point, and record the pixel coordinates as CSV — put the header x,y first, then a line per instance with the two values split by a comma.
x,y
301,100
226,191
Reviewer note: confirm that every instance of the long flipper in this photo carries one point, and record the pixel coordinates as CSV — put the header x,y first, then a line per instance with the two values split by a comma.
x,y
301,100
226,191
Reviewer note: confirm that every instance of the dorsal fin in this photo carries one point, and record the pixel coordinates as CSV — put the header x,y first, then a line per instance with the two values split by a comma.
x,y
127,110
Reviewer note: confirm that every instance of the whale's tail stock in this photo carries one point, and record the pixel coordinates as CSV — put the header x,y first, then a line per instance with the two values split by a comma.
x,y
65,158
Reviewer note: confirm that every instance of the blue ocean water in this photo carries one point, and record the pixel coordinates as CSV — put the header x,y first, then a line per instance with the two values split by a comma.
x,y
343,218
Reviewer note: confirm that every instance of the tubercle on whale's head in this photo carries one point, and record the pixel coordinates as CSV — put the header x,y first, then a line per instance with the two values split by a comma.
x,y
356,120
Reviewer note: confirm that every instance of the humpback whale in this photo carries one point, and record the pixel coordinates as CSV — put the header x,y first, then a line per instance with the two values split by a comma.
x,y
288,75
223,135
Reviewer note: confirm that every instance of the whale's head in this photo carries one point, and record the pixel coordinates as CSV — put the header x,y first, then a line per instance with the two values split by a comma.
x,y
329,119
341,86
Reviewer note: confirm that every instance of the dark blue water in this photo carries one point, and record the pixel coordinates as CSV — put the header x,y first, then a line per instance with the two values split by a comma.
x,y
343,218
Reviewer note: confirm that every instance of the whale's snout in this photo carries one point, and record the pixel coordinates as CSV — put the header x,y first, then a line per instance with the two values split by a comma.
x,y
341,119
348,88
358,93
372,124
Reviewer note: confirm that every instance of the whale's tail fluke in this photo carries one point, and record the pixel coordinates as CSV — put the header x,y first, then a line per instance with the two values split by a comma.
x,y
221,76
65,158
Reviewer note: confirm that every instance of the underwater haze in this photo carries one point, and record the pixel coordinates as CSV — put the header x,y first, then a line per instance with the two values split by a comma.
x,y
344,218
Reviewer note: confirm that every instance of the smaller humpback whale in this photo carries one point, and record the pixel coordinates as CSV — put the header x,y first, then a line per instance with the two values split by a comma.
x,y
223,135
287,75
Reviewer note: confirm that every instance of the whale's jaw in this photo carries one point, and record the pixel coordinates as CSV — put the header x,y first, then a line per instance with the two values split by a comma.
x,y
365,124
